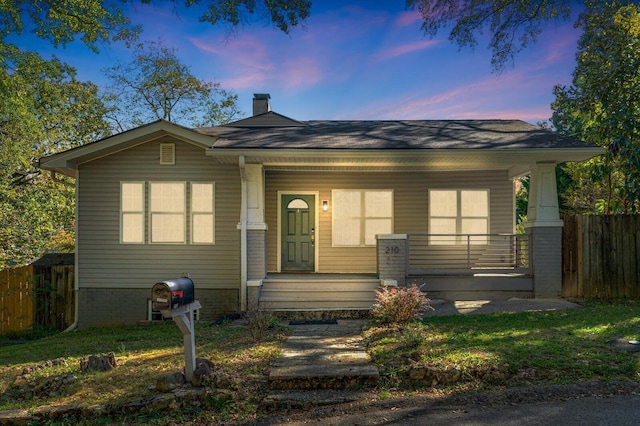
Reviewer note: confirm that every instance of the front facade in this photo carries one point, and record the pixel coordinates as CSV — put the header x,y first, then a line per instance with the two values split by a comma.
x,y
246,207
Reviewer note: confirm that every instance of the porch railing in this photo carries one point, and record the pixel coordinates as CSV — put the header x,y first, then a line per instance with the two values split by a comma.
x,y
449,254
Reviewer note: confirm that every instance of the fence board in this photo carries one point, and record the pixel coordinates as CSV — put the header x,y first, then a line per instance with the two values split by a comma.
x,y
600,256
16,303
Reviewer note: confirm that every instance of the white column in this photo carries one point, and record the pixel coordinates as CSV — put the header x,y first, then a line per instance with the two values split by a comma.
x,y
542,209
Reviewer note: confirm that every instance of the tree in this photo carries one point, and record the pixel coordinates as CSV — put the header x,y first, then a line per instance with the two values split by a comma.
x,y
602,106
512,24
155,85
44,109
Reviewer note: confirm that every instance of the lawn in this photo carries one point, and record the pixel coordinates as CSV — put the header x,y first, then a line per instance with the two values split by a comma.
x,y
144,354
439,354
509,349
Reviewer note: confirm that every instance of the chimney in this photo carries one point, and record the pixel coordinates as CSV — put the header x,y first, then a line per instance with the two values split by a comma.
x,y
261,103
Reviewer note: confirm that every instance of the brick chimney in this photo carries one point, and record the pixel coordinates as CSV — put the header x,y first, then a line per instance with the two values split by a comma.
x,y
261,103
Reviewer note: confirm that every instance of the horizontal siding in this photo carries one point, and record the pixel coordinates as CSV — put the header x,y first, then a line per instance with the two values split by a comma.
x,y
104,262
410,207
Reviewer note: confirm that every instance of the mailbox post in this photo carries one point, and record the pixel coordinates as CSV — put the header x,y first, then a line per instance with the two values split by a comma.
x,y
175,299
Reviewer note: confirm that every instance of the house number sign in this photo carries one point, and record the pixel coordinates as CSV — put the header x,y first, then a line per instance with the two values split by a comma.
x,y
392,250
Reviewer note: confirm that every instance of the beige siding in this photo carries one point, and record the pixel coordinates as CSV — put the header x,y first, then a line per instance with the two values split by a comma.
x,y
410,207
105,263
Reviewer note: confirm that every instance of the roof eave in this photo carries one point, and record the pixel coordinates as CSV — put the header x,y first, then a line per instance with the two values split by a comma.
x,y
67,162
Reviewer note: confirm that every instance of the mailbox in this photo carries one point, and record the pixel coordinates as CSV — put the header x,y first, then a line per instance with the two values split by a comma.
x,y
171,294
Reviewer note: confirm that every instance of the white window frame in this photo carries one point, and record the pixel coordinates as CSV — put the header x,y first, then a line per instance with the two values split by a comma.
x,y
195,213
362,217
459,218
182,213
140,213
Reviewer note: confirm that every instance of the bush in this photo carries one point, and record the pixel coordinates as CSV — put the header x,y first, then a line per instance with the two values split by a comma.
x,y
400,305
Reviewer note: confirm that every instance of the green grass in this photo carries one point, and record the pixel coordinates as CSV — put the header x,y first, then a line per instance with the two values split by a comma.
x,y
525,348
145,353
533,347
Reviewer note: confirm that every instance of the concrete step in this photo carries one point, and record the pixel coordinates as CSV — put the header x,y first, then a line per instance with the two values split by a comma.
x,y
324,356
322,284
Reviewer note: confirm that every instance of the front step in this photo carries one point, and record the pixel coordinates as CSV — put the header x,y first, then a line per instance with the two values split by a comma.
x,y
314,294
324,357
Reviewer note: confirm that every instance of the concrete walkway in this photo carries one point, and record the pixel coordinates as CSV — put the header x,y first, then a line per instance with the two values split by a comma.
x,y
324,356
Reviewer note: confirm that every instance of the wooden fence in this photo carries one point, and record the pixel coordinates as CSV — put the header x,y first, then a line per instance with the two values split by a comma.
x,y
16,303
39,295
600,256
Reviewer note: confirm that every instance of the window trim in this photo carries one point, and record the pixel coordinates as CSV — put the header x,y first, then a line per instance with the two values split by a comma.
x,y
459,218
362,217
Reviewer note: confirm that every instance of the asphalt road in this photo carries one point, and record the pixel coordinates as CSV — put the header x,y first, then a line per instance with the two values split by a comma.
x,y
623,410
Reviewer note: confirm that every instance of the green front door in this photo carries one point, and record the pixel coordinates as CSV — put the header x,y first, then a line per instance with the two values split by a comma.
x,y
298,232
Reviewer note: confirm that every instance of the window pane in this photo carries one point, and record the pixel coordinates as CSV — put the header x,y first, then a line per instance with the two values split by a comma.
x,y
474,203
443,203
167,197
378,203
475,226
167,228
202,228
346,203
346,232
132,197
133,228
202,197
297,204
374,227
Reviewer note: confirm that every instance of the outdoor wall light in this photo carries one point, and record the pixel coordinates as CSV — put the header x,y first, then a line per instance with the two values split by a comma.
x,y
325,205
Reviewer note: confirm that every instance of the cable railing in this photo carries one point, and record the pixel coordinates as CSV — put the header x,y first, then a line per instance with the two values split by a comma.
x,y
468,254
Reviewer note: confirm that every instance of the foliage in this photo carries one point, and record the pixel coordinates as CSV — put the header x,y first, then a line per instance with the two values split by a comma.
x,y
284,14
516,349
45,109
602,106
513,24
259,322
59,22
401,305
155,85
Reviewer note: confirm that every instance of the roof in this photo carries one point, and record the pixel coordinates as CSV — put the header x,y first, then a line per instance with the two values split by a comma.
x,y
392,135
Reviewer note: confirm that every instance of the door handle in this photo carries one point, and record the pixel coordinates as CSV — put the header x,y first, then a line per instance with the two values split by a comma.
x,y
313,237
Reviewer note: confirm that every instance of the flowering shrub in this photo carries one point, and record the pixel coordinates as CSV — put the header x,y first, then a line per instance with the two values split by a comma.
x,y
400,305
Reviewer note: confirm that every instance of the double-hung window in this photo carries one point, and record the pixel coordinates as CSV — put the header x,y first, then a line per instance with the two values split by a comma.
x,y
458,216
167,212
202,208
359,215
132,212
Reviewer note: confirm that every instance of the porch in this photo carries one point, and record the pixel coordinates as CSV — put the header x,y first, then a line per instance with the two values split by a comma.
x,y
451,267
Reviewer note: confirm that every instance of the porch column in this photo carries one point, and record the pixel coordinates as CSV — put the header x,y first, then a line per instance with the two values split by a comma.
x,y
254,235
544,228
392,258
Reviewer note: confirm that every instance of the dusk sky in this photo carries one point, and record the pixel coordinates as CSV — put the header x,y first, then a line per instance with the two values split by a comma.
x,y
359,60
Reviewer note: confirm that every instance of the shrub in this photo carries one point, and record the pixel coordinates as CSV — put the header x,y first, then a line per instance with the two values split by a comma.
x,y
400,305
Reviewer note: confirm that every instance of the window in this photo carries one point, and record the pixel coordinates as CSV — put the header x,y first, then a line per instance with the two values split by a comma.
x,y
202,208
171,212
132,212
455,212
359,215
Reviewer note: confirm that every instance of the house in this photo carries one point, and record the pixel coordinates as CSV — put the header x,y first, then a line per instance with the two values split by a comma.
x,y
313,215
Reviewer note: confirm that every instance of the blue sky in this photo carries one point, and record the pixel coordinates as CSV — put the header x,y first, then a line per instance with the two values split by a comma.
x,y
352,60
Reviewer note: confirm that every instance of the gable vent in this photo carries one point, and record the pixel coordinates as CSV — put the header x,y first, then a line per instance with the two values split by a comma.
x,y
167,154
